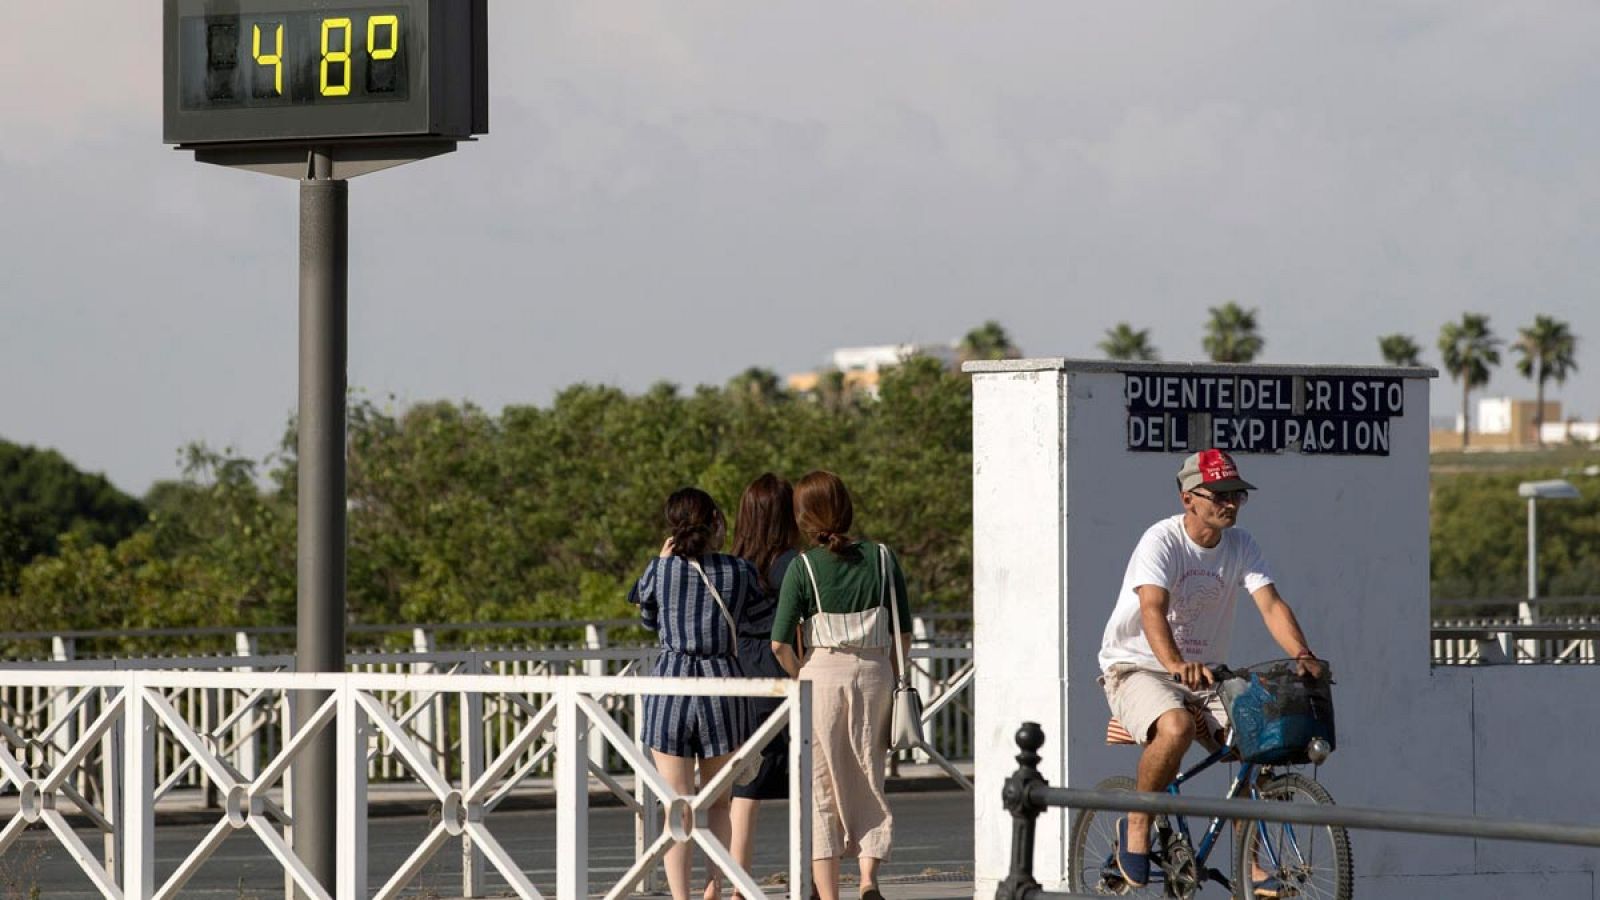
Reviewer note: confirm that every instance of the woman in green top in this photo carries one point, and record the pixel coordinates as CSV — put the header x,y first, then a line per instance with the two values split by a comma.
x,y
836,599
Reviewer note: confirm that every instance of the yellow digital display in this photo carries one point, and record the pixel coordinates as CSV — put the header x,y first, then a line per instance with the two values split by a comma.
x,y
294,58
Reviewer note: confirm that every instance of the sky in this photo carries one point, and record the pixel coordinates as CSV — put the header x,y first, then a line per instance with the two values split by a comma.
x,y
678,191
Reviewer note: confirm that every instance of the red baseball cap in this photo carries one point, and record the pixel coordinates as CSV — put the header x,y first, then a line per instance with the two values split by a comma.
x,y
1212,469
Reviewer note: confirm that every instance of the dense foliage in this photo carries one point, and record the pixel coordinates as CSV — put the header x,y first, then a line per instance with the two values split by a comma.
x,y
458,515
44,498
1480,539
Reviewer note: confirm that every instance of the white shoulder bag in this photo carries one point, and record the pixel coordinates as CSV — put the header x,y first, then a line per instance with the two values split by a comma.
x,y
905,719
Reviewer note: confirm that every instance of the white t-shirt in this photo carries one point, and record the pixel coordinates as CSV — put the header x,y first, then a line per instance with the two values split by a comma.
x,y
1203,587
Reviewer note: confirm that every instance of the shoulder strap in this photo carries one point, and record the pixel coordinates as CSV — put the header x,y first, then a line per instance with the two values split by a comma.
x,y
816,593
727,616
894,611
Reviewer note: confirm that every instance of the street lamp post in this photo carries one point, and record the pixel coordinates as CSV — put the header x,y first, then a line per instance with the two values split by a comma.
x,y
1528,610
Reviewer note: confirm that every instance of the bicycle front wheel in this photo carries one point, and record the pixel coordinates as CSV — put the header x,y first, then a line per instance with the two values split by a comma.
x,y
1092,860
1305,860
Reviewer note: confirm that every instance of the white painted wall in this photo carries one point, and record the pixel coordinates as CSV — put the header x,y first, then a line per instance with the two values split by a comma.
x,y
1059,503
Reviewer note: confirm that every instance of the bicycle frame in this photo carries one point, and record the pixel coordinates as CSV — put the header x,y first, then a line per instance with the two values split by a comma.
x,y
1244,780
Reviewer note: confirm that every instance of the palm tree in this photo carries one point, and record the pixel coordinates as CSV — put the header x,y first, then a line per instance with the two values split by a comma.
x,y
1231,334
1123,342
987,341
1400,350
1468,348
1547,348
761,385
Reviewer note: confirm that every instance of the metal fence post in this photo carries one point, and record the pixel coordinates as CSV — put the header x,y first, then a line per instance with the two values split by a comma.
x,y
800,790
351,808
138,813
594,638
62,649
473,763
430,724
1020,884
247,758
922,631
572,799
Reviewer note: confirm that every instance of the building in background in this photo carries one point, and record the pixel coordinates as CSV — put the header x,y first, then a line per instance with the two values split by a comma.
x,y
1506,423
857,368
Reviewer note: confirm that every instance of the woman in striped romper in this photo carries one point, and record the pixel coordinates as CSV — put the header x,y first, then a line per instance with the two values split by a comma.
x,y
848,593
696,599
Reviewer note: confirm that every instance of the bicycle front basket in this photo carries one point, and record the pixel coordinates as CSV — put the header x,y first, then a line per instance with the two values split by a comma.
x,y
1276,712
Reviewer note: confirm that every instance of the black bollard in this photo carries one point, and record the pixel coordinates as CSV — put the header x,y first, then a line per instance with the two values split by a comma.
x,y
1017,797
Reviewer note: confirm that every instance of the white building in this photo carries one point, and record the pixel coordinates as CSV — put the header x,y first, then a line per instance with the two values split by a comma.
x,y
871,359
861,365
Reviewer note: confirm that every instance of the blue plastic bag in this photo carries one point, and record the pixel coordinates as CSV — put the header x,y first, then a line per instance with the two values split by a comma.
x,y
1276,712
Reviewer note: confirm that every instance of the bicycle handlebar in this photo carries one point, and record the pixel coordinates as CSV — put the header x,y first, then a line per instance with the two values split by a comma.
x,y
1218,673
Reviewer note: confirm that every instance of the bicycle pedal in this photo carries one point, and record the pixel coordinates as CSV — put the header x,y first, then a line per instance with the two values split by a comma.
x,y
1112,886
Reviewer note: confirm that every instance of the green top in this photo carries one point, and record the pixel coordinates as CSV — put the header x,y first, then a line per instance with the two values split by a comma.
x,y
848,584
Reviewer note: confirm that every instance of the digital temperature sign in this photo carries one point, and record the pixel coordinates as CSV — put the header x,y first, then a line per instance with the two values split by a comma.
x,y
272,70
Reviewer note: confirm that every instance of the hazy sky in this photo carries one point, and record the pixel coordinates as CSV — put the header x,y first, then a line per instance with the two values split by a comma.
x,y
681,190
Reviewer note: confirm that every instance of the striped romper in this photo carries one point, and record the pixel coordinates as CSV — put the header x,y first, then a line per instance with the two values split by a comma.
x,y
697,643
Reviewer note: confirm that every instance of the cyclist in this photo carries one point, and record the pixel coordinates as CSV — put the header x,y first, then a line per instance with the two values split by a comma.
x,y
1173,619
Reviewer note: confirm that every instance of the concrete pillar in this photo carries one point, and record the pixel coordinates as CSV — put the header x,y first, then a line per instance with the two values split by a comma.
x,y
1066,478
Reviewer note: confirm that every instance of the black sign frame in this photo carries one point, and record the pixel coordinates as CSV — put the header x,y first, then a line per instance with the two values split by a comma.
x,y
446,94
1261,413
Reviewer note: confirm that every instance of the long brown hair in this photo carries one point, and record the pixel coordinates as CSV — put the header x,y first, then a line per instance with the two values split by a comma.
x,y
692,516
823,510
765,529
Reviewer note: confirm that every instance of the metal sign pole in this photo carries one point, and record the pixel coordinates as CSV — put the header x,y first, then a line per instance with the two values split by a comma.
x,y
320,623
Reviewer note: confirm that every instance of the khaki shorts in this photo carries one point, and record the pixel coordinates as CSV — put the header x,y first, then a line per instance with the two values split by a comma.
x,y
1138,697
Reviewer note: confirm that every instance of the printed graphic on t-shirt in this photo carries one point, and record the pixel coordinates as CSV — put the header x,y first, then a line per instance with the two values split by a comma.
x,y
1198,595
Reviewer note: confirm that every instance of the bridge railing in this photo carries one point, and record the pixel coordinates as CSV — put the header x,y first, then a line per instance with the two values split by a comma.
x,y
1026,795
1503,641
246,724
129,709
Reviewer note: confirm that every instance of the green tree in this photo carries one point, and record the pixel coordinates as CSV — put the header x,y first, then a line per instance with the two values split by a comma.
x,y
1231,334
1468,349
987,341
910,473
216,551
12,554
44,496
1126,342
1479,549
541,512
1400,350
1547,351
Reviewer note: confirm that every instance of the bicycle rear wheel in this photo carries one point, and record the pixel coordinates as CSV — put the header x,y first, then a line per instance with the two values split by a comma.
x,y
1311,861
1092,861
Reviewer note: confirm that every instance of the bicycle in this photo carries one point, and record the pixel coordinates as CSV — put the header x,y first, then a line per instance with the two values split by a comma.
x,y
1306,862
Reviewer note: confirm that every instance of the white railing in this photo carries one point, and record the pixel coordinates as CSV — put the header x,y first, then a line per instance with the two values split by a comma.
x,y
131,709
1500,641
246,725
